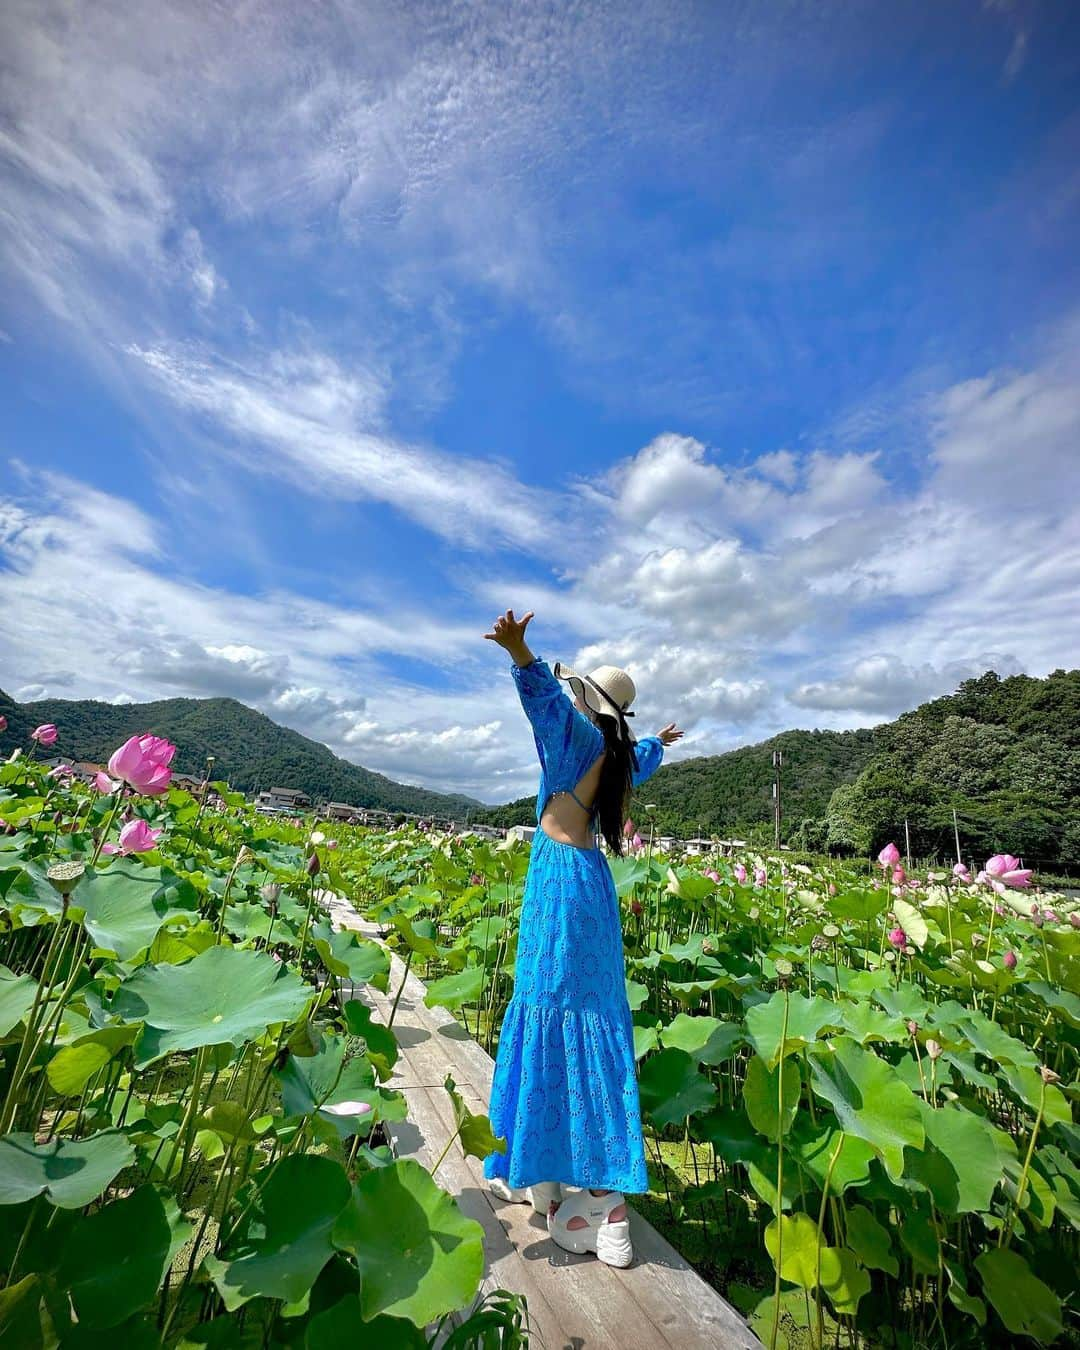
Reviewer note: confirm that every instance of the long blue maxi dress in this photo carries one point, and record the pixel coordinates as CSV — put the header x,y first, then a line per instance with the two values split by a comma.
x,y
565,1091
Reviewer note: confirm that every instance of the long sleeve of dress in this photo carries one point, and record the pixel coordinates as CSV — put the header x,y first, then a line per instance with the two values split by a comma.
x,y
649,751
563,735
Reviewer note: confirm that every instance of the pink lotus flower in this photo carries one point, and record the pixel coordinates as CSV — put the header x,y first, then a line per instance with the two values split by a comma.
x,y
45,734
1009,960
740,874
961,872
889,856
143,761
832,887
899,876
62,771
712,875
104,783
1003,870
135,837
637,843
1074,919
897,938
628,828
759,876
3,722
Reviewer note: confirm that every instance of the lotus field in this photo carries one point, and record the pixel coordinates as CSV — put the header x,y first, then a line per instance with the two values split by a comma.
x,y
191,1100
856,1084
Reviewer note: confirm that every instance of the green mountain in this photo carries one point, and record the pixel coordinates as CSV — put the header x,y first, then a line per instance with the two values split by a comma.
x,y
1005,754
251,750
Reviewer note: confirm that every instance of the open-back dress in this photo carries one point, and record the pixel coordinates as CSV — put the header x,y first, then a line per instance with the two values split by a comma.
x,y
565,1092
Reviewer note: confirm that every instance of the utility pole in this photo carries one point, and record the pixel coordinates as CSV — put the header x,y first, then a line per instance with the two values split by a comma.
x,y
907,844
778,764
956,835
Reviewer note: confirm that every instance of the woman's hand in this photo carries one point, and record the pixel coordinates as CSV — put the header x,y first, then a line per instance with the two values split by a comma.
x,y
509,633
669,734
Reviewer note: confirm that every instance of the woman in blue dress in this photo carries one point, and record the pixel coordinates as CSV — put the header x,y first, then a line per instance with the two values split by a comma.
x,y
565,1092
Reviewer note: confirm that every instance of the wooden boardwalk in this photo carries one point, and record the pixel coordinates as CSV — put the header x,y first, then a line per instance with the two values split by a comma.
x,y
575,1302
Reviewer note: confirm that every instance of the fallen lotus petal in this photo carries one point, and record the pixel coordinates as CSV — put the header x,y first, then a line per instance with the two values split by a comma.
x,y
347,1109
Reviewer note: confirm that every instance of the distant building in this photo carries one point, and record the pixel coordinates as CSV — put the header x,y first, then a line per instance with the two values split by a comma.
x,y
342,811
281,800
520,832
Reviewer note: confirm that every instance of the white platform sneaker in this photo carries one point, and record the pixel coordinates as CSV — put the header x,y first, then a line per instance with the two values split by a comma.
x,y
541,1196
610,1241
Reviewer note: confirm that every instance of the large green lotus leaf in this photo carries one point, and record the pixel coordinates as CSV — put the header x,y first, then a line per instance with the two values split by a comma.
x,y
125,904
342,1327
1029,1087
860,906
1063,1177
419,1257
454,990
72,1067
646,1038
959,1295
984,1036
1038,1204
328,1078
806,1018
869,1241
671,1088
865,1023
1026,1305
71,1174
973,1149
690,885
379,1040
485,933
16,997
251,921
31,895
284,1240
705,1039
795,1309
20,1314
913,923
418,942
730,1133
919,1238
1060,1000
761,1094
628,873
796,1238
813,1147
869,1099
906,1001
474,1132
224,994
115,1259
356,959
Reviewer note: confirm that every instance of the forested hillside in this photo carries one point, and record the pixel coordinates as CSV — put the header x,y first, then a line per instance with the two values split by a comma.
x,y
1004,753
251,750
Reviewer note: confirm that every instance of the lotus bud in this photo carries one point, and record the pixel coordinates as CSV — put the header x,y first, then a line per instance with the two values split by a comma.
x,y
977,941
58,818
897,938
707,947
65,876
3,722
999,910
1038,920
636,908
313,865
913,1027
1034,909
889,856
740,874
1048,1075
1009,960
10,828
832,887
1051,916
899,876
476,879
933,1048
759,876
1074,919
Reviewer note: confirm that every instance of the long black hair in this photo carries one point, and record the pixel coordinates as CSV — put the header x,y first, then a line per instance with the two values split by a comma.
x,y
613,793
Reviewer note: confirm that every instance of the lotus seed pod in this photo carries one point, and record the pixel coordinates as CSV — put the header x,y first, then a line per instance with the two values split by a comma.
x,y
270,892
65,876
933,1048
831,931
783,968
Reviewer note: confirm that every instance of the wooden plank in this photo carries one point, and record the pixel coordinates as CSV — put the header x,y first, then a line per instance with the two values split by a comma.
x,y
575,1302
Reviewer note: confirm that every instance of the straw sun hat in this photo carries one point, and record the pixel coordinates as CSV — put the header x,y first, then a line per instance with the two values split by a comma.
x,y
607,690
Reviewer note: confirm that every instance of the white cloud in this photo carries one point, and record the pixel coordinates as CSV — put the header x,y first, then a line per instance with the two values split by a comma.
x,y
883,684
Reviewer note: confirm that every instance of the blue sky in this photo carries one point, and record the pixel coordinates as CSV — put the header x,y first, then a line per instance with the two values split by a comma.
x,y
739,341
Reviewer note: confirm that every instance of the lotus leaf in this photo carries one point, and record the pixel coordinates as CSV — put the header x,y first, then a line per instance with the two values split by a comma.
x,y
705,1039
108,1274
474,1131
454,990
806,1019
1024,1303
284,1239
342,1327
869,1240
761,1094
672,1088
379,1040
869,1100
330,1078
224,994
357,959
419,1256
71,1174
125,904
16,998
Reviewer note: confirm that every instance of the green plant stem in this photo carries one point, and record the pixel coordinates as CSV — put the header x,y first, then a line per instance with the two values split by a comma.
x,y
107,826
821,1239
1005,1236
779,1176
401,989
